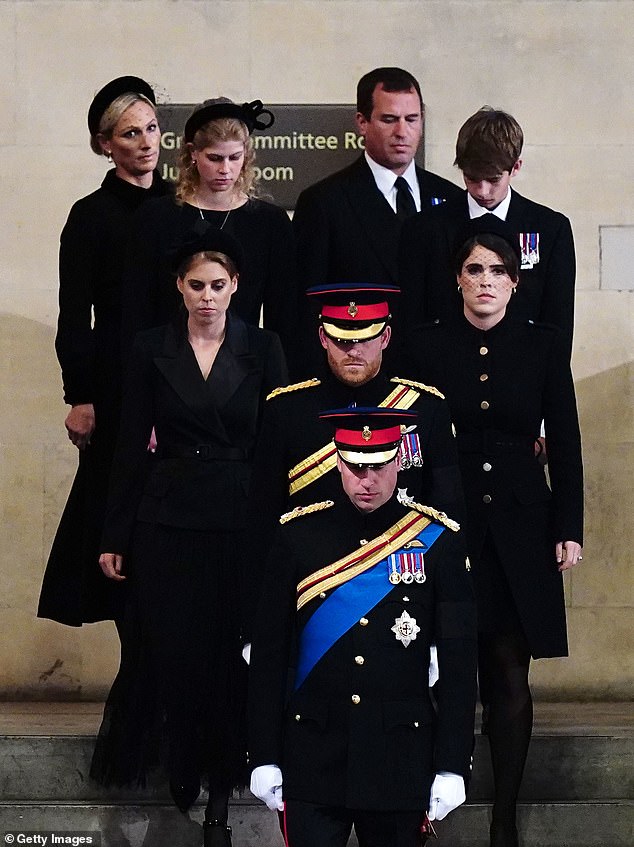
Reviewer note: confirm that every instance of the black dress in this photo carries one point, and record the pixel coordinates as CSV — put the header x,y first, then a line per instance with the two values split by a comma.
x,y
177,521
500,385
92,251
267,279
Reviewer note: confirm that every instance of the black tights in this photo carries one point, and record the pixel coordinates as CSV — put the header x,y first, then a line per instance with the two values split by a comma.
x,y
218,804
503,664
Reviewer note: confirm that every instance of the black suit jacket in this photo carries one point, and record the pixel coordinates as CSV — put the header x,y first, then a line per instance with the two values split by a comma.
x,y
346,231
166,390
381,751
546,291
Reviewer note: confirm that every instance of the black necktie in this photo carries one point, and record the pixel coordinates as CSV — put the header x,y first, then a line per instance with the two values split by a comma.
x,y
405,206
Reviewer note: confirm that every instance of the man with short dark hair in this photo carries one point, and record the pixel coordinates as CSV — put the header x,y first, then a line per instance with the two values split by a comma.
x,y
348,225
488,152
357,590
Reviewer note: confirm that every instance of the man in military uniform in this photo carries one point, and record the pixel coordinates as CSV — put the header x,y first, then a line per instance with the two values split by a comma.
x,y
295,457
356,592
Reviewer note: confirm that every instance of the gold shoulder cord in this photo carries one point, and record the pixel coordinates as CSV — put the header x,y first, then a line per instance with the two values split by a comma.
x,y
420,385
300,511
296,386
441,517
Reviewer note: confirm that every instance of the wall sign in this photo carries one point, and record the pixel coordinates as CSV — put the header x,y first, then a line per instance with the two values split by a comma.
x,y
305,144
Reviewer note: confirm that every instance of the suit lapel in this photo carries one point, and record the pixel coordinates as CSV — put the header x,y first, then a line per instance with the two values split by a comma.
x,y
233,363
375,215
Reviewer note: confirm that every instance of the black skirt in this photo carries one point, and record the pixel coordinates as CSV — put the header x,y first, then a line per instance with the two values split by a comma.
x,y
179,697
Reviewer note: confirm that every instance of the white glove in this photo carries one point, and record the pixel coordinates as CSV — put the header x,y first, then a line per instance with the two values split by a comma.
x,y
434,673
447,793
266,784
246,653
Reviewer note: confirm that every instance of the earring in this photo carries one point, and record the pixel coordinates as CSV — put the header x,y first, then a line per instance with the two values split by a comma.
x,y
459,287
515,289
109,157
194,163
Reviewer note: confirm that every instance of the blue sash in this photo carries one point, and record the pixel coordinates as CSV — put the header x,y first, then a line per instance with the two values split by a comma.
x,y
345,606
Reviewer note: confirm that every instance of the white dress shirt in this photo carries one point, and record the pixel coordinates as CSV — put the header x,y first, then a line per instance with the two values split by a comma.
x,y
385,180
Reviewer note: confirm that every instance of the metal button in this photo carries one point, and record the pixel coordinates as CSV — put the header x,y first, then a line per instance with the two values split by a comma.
x,y
416,724
322,595
484,404
355,699
487,498
487,466
298,717
359,660
484,351
363,541
364,621
484,377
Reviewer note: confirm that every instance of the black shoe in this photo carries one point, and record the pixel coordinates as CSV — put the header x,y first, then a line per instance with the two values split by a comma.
x,y
216,834
185,794
503,833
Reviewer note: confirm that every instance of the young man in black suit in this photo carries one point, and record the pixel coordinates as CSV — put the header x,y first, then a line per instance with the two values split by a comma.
x,y
488,152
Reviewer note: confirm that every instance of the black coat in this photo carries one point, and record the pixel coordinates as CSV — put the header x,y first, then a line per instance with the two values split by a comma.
x,y
546,291
267,278
218,416
92,251
522,371
346,231
292,431
381,752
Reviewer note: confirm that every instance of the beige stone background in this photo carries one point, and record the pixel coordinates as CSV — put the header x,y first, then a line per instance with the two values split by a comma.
x,y
564,68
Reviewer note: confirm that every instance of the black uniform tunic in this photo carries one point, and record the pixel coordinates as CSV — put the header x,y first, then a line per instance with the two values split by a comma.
x,y
500,385
92,250
360,732
176,520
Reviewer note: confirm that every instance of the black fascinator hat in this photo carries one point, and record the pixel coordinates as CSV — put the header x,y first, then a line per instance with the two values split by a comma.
x,y
115,88
252,114
207,240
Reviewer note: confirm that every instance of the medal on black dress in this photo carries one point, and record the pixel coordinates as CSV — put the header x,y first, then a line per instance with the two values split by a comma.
x,y
529,243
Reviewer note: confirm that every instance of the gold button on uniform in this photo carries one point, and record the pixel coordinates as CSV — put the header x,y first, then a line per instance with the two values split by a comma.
x,y
355,699
364,621
487,498
363,542
487,466
322,595
484,404
359,660
484,351
484,377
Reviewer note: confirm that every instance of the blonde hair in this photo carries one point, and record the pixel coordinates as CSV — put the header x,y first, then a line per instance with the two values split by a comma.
x,y
112,116
220,129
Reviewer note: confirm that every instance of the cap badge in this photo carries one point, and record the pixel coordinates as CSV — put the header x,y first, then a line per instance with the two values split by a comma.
x,y
366,435
352,309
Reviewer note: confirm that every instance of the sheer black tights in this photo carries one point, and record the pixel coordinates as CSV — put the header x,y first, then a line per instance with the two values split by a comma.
x,y
503,665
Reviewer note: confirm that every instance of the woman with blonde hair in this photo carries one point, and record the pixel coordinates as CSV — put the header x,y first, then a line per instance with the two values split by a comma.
x,y
215,188
124,129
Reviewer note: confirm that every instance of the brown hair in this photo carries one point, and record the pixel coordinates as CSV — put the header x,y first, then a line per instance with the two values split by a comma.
x,y
489,142
207,256
392,80
112,116
220,129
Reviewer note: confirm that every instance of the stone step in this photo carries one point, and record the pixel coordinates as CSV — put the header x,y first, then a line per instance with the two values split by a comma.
x,y
540,825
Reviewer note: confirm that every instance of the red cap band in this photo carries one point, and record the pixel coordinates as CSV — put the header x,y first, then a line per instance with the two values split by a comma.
x,y
357,312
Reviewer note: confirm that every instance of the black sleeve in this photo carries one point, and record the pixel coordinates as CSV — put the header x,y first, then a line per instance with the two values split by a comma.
x,y
131,459
280,286
558,300
74,342
312,235
270,651
563,440
456,641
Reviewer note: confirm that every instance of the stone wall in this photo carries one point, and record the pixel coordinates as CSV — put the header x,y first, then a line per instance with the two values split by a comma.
x,y
563,68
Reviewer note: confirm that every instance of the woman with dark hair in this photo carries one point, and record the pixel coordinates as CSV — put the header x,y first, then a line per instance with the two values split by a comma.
x,y
123,127
216,188
501,378
172,530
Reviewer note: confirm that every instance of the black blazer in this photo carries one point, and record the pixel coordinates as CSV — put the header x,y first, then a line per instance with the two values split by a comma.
x,y
546,291
220,416
500,385
382,752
